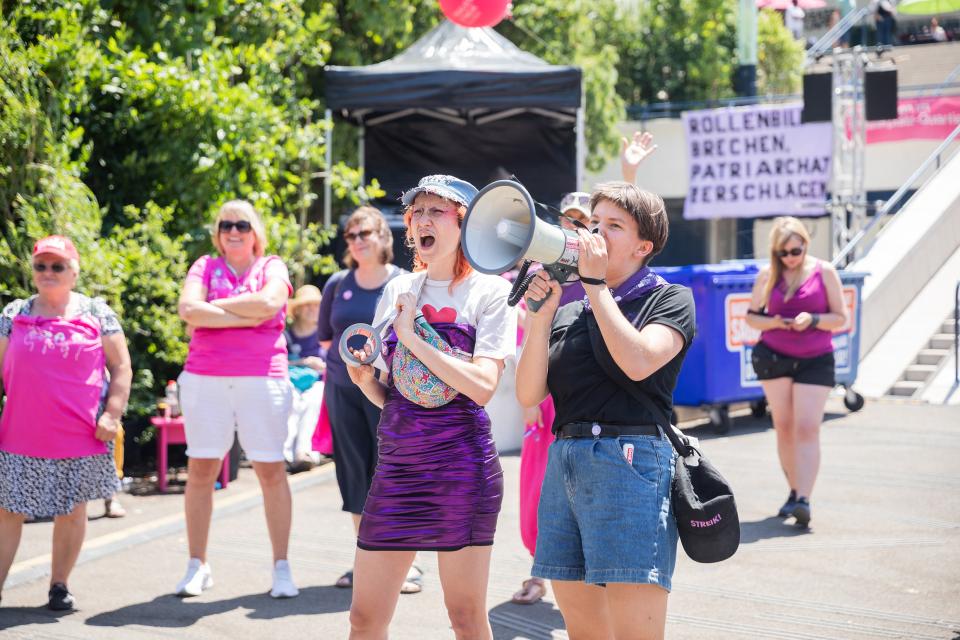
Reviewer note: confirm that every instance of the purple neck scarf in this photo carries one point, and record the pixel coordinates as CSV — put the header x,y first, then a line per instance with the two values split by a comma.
x,y
639,284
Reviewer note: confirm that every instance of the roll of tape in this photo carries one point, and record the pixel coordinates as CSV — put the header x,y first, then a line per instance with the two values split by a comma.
x,y
372,338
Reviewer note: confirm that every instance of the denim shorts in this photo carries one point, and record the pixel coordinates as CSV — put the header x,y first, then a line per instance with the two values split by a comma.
x,y
603,519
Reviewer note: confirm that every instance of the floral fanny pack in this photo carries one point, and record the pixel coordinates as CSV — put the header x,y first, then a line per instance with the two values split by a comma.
x,y
413,379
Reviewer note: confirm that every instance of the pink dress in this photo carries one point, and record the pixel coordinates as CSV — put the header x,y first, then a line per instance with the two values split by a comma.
x,y
537,438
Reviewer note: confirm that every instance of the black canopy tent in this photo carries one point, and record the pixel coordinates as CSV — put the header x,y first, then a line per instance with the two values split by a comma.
x,y
466,102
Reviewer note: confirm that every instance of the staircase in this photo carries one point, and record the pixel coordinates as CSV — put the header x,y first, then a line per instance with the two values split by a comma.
x,y
927,363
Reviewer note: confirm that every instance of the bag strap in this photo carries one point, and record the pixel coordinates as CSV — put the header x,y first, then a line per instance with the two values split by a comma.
x,y
615,373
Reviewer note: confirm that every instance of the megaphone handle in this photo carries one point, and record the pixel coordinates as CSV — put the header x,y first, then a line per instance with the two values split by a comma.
x,y
558,273
534,305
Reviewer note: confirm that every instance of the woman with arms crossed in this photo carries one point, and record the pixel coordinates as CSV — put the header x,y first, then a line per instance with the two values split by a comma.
x,y
605,516
235,379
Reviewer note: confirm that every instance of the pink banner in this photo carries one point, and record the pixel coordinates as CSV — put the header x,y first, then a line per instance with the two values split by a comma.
x,y
918,119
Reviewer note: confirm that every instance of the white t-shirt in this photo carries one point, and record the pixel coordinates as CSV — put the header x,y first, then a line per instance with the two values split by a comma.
x,y
794,21
479,301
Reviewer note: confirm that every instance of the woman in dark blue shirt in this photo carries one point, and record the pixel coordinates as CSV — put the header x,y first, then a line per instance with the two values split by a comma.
x,y
350,296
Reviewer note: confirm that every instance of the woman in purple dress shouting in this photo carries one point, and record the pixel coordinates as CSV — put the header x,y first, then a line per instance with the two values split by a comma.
x,y
438,484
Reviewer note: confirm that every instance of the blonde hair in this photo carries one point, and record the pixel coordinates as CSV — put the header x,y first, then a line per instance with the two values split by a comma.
x,y
374,216
783,229
244,211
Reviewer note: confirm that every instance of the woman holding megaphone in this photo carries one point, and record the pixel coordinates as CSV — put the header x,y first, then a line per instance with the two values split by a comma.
x,y
604,515
438,483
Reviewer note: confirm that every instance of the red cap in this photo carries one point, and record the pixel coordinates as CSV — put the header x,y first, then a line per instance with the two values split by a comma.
x,y
57,245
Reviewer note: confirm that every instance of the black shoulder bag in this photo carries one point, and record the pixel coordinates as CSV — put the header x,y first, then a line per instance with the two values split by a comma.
x,y
702,500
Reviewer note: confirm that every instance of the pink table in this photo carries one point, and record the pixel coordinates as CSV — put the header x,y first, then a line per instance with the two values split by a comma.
x,y
170,431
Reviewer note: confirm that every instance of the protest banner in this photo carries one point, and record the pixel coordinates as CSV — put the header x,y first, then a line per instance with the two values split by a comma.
x,y
756,161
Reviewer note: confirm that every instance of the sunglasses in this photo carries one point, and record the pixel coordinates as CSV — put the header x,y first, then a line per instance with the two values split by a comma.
x,y
796,251
572,199
56,267
359,235
242,226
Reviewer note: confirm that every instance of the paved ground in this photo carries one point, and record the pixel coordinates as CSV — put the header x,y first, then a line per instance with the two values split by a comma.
x,y
881,561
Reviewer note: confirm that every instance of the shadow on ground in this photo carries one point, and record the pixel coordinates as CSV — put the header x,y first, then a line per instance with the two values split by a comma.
x,y
173,612
511,620
21,616
744,425
772,527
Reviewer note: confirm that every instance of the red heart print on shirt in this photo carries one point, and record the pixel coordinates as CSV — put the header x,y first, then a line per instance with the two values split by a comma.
x,y
446,314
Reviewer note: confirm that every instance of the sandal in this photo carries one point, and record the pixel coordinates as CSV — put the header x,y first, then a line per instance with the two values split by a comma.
x,y
345,581
532,592
414,581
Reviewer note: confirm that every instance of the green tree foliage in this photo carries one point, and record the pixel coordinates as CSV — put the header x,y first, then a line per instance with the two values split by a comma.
x,y
125,124
779,56
674,50
565,32
128,144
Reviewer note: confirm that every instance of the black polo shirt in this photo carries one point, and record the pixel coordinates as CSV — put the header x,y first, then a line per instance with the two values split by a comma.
x,y
582,390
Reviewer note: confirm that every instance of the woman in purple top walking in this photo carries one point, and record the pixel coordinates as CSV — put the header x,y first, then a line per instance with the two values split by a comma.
x,y
797,303
438,484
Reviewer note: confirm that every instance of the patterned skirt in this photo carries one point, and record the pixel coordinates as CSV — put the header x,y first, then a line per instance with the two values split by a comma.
x,y
46,487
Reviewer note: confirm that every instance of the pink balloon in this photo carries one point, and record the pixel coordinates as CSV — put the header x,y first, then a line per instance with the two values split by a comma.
x,y
475,13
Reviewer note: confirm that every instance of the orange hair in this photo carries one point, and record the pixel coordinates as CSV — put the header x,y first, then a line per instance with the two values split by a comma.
x,y
461,269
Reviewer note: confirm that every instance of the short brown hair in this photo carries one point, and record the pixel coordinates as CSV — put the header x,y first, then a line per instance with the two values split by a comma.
x,y
374,216
646,207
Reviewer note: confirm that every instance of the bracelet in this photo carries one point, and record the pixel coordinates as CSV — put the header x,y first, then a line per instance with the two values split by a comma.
x,y
814,320
597,281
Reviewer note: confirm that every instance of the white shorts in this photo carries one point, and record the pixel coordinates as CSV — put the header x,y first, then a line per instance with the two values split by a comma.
x,y
256,407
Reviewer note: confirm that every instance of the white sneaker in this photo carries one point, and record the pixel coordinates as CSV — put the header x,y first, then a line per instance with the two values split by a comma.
x,y
198,578
283,586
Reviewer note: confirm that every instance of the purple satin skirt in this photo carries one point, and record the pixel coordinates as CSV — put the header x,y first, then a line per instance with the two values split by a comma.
x,y
438,484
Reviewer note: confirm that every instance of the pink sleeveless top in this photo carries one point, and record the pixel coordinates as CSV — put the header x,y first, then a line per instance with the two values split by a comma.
x,y
811,297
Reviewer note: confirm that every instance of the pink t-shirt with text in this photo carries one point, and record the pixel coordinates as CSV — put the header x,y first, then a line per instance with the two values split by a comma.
x,y
53,374
238,351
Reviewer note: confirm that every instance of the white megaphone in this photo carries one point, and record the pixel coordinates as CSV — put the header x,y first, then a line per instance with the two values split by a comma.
x,y
501,228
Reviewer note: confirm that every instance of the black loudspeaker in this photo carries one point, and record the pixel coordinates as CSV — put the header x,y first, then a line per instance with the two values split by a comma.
x,y
880,89
817,97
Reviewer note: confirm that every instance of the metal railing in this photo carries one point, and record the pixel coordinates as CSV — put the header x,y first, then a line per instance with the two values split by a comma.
x,y
826,41
670,109
932,160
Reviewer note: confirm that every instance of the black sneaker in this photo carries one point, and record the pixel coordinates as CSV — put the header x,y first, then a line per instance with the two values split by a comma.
x,y
788,506
801,511
60,599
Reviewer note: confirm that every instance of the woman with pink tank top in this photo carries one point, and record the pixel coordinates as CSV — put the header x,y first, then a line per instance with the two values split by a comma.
x,y
61,410
797,303
235,380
